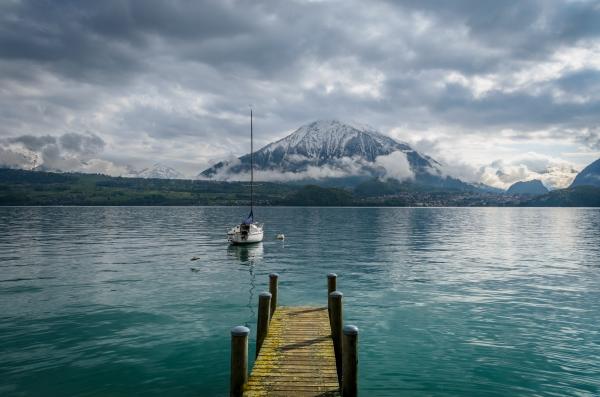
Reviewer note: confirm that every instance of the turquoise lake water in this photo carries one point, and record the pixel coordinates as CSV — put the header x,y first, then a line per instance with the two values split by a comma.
x,y
449,301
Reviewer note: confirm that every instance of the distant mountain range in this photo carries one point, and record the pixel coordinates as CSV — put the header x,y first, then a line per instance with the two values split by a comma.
x,y
331,153
19,187
327,150
156,171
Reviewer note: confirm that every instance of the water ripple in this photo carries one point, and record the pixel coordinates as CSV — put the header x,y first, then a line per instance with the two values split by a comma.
x,y
450,301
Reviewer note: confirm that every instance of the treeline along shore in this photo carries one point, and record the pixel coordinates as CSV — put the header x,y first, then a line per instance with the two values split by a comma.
x,y
20,187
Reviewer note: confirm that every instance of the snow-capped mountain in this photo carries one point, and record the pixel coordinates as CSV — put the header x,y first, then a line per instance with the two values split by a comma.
x,y
341,149
159,171
321,141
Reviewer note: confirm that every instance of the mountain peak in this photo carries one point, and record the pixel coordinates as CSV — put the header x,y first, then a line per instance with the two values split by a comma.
x,y
330,125
336,127
590,175
322,140
159,171
532,187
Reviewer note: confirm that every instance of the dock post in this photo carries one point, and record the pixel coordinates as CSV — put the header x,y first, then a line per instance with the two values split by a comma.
x,y
331,283
239,360
331,286
262,326
336,329
350,361
273,279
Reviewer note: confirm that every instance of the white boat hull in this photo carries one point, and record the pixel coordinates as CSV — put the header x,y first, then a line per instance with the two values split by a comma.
x,y
245,234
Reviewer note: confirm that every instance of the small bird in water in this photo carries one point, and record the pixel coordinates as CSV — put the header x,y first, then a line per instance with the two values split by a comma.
x,y
281,236
195,270
194,258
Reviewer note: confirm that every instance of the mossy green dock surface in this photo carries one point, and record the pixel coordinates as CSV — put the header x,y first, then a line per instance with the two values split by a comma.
x,y
297,357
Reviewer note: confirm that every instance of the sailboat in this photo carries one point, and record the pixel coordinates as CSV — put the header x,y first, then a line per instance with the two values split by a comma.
x,y
248,232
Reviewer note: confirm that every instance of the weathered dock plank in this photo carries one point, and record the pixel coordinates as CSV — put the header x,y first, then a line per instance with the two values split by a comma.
x,y
297,357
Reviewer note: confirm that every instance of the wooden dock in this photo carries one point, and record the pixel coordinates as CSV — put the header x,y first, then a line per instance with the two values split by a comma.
x,y
297,356
301,351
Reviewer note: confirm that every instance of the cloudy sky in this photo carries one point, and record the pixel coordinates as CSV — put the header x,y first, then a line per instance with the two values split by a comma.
x,y
497,90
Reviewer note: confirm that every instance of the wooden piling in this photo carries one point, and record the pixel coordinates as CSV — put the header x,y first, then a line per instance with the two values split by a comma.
x,y
262,326
273,280
239,360
331,286
336,328
350,361
331,283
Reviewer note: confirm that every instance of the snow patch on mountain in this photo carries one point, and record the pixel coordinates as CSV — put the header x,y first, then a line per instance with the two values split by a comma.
x,y
323,140
158,171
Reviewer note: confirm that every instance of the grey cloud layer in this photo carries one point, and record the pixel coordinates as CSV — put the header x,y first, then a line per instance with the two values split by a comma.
x,y
178,76
53,152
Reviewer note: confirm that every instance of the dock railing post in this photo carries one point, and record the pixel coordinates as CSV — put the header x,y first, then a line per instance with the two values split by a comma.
x,y
336,329
273,279
239,360
350,361
262,326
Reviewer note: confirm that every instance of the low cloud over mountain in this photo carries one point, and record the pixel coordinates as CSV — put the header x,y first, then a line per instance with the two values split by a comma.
x,y
553,173
67,152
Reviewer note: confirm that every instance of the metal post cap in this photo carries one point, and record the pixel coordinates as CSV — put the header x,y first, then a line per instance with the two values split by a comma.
x,y
350,330
274,275
264,295
240,330
331,275
336,294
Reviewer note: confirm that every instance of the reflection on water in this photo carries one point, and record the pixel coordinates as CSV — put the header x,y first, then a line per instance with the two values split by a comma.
x,y
450,301
247,252
248,255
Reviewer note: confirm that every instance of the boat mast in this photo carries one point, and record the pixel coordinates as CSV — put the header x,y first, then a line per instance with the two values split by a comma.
x,y
251,167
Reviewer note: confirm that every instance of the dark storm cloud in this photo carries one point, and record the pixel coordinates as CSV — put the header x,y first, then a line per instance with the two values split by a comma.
x,y
57,36
105,40
183,69
582,82
81,144
520,109
523,28
34,143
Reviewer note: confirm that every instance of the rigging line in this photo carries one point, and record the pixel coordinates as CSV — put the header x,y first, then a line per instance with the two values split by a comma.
x,y
251,167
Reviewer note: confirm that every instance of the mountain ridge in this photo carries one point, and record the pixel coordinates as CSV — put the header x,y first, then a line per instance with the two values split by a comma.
x,y
532,187
321,143
327,149
589,176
